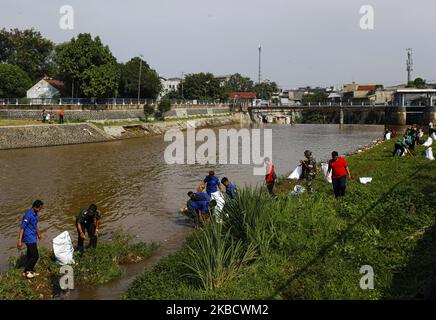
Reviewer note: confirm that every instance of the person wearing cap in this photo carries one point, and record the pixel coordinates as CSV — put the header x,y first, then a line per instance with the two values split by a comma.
x,y
309,169
30,235
88,221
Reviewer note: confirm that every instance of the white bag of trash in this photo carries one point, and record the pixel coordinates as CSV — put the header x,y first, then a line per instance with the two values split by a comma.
x,y
433,136
388,136
429,154
297,173
325,169
297,190
63,249
365,180
428,143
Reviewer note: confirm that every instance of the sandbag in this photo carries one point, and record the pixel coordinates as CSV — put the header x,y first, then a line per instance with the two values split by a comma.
x,y
325,169
428,143
365,180
63,249
297,173
429,154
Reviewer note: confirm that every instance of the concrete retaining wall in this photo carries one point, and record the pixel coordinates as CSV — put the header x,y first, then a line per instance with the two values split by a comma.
x,y
16,137
101,115
50,135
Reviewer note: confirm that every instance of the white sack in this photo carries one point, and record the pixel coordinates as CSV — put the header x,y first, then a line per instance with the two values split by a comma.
x,y
325,169
297,173
429,154
63,249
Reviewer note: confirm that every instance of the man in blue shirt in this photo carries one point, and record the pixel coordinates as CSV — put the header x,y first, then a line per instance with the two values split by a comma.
x,y
212,183
29,234
231,191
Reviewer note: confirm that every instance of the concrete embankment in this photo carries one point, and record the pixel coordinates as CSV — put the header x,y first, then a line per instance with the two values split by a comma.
x,y
50,135
156,128
16,137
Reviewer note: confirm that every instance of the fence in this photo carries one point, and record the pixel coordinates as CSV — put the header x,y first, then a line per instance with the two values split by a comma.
x,y
102,102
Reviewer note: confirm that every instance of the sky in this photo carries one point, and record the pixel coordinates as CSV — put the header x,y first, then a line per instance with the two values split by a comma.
x,y
304,43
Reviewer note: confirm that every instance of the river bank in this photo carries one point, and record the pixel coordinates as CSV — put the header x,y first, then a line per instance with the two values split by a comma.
x,y
32,136
313,246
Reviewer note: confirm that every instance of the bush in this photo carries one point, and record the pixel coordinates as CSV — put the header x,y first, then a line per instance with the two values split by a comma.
x,y
164,106
148,111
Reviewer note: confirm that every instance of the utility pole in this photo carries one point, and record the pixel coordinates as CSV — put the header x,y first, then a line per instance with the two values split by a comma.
x,y
139,80
409,64
183,76
260,64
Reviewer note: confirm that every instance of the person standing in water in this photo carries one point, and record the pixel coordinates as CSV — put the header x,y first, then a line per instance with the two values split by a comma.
x,y
339,169
88,221
30,235
309,169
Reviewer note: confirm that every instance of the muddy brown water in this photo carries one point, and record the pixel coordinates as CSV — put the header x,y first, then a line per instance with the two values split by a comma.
x,y
134,188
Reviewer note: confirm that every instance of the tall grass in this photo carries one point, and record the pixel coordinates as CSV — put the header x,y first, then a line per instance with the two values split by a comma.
x,y
215,257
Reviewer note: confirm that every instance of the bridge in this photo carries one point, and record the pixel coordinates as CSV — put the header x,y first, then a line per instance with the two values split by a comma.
x,y
396,116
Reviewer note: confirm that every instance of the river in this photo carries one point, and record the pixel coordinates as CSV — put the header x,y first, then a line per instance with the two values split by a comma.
x,y
133,186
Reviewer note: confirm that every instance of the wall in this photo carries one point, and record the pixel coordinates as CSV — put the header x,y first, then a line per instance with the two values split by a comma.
x,y
101,115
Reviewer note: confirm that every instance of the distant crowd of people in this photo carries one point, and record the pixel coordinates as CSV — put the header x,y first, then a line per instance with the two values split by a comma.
x,y
48,116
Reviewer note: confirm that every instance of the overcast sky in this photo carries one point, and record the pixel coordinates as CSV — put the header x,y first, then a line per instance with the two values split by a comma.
x,y
311,42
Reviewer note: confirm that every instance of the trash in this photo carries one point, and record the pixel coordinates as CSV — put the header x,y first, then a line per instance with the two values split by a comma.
x,y
388,136
297,173
429,154
220,202
365,180
428,143
297,190
433,136
325,169
63,249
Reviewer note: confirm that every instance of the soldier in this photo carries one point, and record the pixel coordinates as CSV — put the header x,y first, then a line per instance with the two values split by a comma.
x,y
309,169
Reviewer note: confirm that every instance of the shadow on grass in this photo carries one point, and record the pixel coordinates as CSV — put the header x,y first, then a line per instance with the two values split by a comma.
x,y
344,234
418,279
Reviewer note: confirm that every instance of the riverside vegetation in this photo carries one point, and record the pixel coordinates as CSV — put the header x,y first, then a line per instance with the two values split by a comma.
x,y
313,246
95,266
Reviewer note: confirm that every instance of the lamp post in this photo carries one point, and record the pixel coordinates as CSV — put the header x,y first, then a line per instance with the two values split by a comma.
x,y
139,80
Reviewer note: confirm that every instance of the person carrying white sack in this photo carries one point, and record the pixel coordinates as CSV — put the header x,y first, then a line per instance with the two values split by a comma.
x,y
213,189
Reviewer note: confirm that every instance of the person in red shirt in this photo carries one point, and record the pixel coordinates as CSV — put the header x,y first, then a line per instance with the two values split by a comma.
x,y
270,176
61,113
339,169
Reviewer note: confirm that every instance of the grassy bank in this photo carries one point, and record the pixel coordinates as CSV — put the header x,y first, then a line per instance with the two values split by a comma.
x,y
95,266
313,246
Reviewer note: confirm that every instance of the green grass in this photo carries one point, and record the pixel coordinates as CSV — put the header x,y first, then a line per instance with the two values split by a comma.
x,y
313,246
95,266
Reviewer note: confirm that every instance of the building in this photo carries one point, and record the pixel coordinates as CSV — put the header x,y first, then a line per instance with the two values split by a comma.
x,y
242,100
415,97
169,85
292,97
223,79
45,89
359,93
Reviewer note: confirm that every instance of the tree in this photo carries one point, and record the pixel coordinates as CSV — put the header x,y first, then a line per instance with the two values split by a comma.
x,y
89,66
151,86
265,90
315,98
418,83
202,86
14,82
164,106
238,83
28,50
148,111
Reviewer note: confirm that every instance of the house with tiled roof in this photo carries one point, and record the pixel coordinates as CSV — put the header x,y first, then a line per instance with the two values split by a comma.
x,y
46,88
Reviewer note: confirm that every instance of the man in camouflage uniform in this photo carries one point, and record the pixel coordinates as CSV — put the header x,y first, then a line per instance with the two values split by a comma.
x,y
309,169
